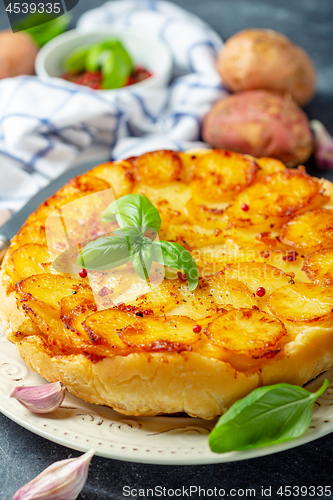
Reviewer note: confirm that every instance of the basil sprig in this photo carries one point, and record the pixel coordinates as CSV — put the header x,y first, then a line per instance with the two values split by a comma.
x,y
137,217
268,415
134,210
109,56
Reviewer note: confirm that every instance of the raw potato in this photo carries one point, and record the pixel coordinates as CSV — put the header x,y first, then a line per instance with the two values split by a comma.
x,y
265,59
260,123
18,52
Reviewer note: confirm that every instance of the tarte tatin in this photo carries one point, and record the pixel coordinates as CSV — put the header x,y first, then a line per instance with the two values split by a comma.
x,y
262,238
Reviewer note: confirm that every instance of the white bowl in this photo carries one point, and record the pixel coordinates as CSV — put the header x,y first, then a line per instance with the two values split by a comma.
x,y
145,50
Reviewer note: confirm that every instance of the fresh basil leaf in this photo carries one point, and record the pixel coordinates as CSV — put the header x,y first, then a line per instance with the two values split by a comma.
x,y
141,258
115,71
93,55
76,60
43,27
174,255
268,415
110,251
133,210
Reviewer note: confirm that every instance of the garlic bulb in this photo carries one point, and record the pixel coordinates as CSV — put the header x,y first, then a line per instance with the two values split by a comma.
x,y
41,398
62,480
323,146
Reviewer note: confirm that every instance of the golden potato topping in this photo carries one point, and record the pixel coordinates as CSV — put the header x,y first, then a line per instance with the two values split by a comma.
x,y
160,300
170,200
82,185
167,333
318,267
269,166
190,236
257,275
302,302
38,288
74,310
79,305
246,331
118,174
219,175
270,203
33,232
27,260
207,215
103,328
310,231
158,167
77,188
230,292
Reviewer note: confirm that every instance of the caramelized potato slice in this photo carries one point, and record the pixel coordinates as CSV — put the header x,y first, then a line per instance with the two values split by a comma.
x,y
34,232
257,274
162,333
74,310
246,331
104,328
310,231
278,197
318,267
220,175
28,260
169,200
161,299
43,308
82,185
77,307
158,167
269,166
76,188
48,321
207,215
302,302
191,236
119,174
199,303
39,287
231,293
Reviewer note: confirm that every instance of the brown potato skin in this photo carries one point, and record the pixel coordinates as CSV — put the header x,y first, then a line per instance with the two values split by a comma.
x,y
260,123
266,59
18,52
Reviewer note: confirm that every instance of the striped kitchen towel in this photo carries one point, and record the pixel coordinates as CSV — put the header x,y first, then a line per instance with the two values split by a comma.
x,y
46,125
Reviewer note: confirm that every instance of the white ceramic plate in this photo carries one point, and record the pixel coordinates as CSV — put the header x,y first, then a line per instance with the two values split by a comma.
x,y
159,440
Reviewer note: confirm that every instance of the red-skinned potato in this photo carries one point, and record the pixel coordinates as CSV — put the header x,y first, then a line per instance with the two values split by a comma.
x,y
265,59
18,52
260,123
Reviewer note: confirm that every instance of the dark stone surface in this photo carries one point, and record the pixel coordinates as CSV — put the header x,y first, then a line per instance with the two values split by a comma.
x,y
23,454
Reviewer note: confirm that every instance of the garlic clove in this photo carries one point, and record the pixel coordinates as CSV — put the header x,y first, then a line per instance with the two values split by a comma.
x,y
323,145
62,480
41,398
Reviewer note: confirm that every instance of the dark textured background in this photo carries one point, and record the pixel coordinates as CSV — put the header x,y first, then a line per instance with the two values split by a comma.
x,y
23,455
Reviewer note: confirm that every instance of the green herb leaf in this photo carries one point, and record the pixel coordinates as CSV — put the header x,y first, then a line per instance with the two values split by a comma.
x,y
268,415
110,251
76,61
141,257
174,255
43,27
133,210
115,71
